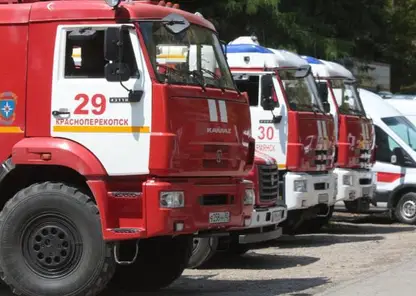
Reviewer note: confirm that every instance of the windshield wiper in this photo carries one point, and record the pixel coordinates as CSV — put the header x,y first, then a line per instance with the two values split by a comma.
x,y
308,106
354,111
199,78
194,74
317,109
216,78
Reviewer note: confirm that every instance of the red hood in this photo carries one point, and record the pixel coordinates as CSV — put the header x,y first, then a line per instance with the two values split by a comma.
x,y
262,158
311,141
355,141
209,132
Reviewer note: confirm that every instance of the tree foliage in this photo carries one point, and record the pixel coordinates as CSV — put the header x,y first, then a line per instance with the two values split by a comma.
x,y
373,30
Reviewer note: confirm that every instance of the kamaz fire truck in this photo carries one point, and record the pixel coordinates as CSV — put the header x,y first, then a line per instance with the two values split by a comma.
x,y
269,209
291,123
355,134
120,158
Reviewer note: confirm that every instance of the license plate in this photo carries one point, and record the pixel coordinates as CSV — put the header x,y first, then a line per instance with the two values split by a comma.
x,y
276,215
366,192
323,198
219,217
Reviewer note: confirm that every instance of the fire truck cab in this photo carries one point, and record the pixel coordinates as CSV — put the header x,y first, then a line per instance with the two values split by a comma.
x,y
290,124
114,157
354,133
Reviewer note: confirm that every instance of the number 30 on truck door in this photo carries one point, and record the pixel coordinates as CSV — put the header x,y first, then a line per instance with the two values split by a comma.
x,y
266,133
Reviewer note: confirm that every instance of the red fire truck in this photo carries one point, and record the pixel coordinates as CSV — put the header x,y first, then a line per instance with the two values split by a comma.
x,y
121,159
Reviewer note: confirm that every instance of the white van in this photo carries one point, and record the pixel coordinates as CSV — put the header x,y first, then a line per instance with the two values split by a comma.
x,y
407,108
395,158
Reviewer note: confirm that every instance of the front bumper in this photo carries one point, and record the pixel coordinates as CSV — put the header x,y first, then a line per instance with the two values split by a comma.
x,y
360,184
140,216
267,216
320,189
252,238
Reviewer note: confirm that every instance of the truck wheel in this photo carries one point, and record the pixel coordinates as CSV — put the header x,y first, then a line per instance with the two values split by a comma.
x,y
202,250
161,261
52,244
315,224
405,210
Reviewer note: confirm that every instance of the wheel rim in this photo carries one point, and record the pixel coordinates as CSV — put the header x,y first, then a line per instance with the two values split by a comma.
x,y
409,209
52,246
195,245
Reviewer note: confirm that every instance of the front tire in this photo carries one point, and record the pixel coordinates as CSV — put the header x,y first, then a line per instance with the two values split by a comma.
x,y
160,261
203,249
53,233
405,210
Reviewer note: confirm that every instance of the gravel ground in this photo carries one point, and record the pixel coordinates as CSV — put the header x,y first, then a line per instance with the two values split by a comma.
x,y
349,248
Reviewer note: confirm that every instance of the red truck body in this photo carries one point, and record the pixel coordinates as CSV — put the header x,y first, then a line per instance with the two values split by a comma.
x,y
189,175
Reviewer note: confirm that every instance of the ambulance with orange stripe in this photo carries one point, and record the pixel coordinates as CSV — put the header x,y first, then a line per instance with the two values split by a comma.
x,y
291,124
355,134
109,165
269,209
395,165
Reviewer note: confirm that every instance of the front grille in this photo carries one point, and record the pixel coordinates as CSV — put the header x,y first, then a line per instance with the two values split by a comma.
x,y
215,199
268,183
365,181
321,186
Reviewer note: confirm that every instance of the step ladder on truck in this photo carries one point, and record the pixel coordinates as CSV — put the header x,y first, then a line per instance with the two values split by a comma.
x,y
355,135
109,168
291,124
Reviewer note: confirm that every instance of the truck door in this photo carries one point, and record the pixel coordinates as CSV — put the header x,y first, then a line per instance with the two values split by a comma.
x,y
93,112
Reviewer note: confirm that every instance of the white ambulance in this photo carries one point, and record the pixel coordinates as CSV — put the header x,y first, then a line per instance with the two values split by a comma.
x,y
395,158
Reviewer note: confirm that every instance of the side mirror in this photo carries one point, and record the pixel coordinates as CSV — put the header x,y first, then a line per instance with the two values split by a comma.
x,y
323,91
175,23
303,71
113,44
327,107
398,156
224,47
267,92
116,72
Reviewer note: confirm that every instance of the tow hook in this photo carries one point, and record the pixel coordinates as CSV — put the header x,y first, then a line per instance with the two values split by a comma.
x,y
116,252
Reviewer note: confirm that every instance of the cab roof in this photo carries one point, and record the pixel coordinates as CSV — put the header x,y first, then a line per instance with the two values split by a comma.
x,y
246,52
376,106
327,69
67,10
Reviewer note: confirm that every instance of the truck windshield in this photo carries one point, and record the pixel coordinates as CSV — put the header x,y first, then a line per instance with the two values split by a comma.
x,y
347,97
403,128
301,93
193,57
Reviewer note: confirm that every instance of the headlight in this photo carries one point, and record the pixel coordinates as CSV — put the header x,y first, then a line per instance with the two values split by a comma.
x,y
172,199
249,197
347,180
300,185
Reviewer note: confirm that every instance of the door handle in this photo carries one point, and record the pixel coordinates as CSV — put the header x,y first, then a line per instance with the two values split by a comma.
x,y
59,112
